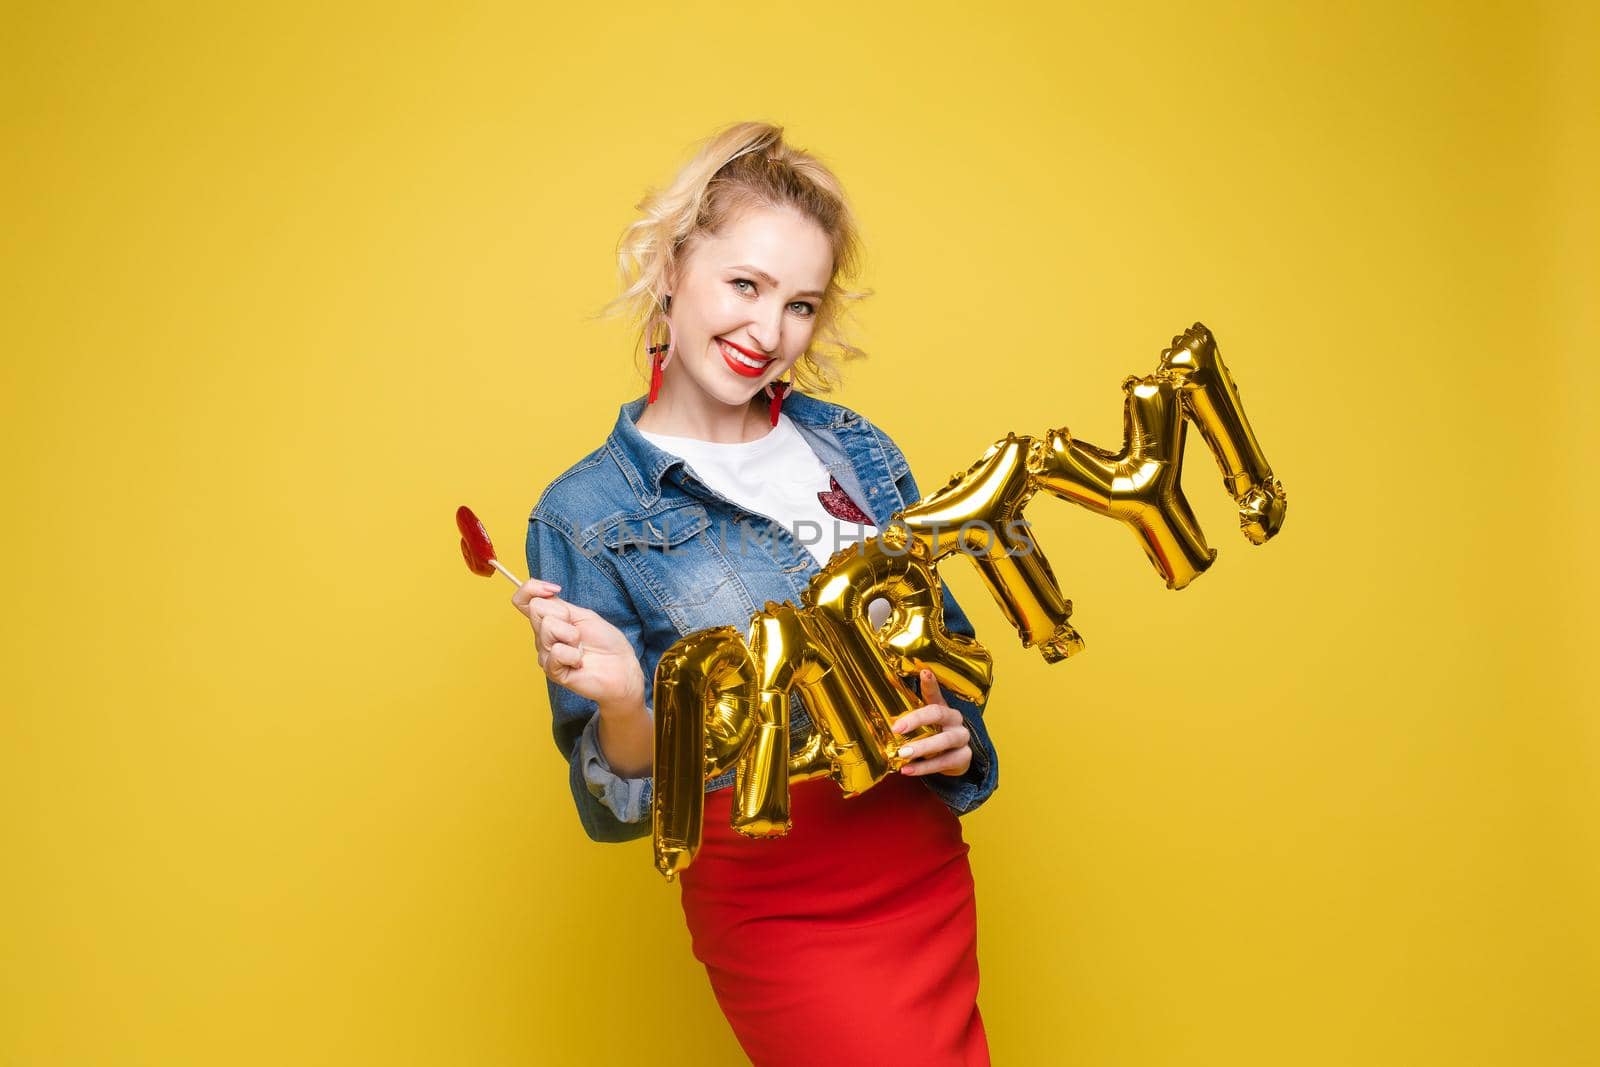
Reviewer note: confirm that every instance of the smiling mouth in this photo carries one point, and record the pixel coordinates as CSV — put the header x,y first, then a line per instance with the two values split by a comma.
x,y
749,366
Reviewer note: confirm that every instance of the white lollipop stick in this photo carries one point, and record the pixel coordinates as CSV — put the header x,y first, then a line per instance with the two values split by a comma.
x,y
512,578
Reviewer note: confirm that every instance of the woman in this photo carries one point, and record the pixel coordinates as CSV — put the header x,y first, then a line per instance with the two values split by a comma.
x,y
852,939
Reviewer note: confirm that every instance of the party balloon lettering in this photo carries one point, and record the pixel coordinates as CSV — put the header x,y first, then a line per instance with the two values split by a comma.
x,y
722,697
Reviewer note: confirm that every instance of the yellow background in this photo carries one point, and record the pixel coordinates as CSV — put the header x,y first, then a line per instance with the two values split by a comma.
x,y
284,286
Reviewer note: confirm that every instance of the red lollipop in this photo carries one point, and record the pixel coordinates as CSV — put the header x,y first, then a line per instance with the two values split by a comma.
x,y
477,549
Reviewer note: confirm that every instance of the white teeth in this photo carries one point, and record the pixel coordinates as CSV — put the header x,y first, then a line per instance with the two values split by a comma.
x,y
734,353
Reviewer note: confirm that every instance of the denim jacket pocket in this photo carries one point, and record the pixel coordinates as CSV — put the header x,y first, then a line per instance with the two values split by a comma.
x,y
664,528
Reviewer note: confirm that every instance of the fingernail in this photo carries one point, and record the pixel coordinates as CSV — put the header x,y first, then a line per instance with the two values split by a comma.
x,y
906,750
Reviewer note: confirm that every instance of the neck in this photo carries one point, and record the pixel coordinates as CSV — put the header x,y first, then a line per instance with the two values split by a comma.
x,y
705,418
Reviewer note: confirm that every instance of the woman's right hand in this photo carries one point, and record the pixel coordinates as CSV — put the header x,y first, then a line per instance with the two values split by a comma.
x,y
579,649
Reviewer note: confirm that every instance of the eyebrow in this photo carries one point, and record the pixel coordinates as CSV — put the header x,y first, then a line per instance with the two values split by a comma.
x,y
770,280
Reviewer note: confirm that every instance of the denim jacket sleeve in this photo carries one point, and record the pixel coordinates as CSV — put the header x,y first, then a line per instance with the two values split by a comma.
x,y
966,792
611,808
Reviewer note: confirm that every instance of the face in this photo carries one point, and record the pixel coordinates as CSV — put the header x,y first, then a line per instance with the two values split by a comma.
x,y
745,304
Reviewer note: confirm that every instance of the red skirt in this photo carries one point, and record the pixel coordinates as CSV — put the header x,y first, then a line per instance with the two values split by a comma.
x,y
853,940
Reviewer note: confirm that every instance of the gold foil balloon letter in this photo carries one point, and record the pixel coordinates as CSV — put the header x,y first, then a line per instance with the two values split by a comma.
x,y
861,740
979,514
1139,485
705,698
1211,399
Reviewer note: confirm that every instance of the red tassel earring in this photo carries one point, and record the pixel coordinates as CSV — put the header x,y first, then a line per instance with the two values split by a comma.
x,y
777,398
660,355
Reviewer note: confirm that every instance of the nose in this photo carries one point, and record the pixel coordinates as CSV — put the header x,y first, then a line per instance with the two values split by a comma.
x,y
766,328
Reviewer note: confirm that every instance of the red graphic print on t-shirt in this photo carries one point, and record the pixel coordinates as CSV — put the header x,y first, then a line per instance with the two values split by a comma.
x,y
837,502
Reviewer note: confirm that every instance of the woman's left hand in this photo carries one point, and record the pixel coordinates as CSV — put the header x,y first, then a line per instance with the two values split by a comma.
x,y
949,751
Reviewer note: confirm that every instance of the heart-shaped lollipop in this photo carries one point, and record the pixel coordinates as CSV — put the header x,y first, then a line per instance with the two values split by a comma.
x,y
477,549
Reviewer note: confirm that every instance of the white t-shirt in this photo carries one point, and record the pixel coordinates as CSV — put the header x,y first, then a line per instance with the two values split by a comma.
x,y
779,476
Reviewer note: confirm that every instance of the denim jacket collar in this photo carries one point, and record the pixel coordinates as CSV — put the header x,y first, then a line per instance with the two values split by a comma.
x,y
645,465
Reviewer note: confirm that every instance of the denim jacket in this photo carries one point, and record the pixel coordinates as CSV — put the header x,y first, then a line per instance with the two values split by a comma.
x,y
630,532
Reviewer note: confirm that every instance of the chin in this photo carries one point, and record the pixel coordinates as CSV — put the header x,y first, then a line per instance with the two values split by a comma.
x,y
734,394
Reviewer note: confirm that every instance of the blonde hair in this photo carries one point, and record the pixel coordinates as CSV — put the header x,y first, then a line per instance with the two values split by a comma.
x,y
742,166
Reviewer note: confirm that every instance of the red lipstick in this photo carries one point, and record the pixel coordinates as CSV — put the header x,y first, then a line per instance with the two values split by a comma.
x,y
738,366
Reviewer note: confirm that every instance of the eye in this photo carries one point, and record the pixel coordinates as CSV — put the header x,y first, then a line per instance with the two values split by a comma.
x,y
808,309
